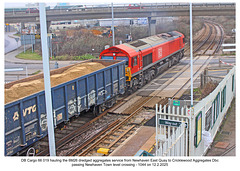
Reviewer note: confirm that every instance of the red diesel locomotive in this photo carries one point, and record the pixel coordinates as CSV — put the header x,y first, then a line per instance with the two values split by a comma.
x,y
146,58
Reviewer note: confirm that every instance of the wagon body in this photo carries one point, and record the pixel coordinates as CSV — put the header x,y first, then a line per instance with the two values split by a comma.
x,y
26,118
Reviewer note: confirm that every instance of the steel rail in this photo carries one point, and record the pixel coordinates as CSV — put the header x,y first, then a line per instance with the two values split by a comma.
x,y
97,136
204,40
211,44
228,150
114,129
221,38
197,38
72,135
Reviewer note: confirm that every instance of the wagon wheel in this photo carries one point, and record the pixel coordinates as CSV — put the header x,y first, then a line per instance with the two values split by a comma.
x,y
31,152
134,88
169,63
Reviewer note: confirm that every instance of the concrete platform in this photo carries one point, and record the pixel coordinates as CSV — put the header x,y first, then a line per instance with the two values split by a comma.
x,y
144,139
226,137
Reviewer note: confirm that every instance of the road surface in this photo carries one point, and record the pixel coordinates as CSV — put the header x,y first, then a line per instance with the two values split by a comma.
x,y
10,42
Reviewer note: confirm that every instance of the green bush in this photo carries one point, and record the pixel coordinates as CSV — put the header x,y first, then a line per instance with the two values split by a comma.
x,y
84,57
67,57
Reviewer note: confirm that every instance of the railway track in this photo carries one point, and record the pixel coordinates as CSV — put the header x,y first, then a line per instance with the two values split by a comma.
x,y
74,129
125,126
230,149
111,128
208,41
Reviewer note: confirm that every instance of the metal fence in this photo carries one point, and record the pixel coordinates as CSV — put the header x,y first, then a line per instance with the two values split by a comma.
x,y
190,131
175,144
172,131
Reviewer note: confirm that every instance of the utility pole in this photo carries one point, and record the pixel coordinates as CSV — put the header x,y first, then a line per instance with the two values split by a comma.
x,y
191,54
113,27
47,82
191,121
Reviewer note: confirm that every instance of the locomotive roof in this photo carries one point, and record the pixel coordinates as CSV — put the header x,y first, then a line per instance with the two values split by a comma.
x,y
151,41
132,48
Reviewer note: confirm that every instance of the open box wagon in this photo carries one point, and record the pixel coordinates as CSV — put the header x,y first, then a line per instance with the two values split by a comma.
x,y
26,118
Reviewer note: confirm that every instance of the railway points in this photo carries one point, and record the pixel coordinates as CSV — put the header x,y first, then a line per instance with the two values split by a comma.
x,y
120,130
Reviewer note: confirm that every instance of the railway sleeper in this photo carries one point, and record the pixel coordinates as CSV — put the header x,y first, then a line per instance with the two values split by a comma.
x,y
117,133
121,130
112,137
100,146
108,141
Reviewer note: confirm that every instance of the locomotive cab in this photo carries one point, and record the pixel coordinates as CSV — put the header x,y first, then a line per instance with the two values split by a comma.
x,y
118,53
124,58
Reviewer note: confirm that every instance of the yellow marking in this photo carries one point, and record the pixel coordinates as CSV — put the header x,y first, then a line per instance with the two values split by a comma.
x,y
152,148
103,151
128,73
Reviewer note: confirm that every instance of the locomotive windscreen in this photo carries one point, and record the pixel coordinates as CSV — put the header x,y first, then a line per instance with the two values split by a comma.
x,y
123,58
107,57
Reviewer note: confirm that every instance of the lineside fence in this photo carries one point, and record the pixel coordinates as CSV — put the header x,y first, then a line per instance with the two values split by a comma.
x,y
189,131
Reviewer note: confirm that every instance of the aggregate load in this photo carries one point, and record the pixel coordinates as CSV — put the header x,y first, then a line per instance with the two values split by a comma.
x,y
23,89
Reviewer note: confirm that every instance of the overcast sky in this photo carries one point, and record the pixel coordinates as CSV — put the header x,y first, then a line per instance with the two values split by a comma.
x,y
21,3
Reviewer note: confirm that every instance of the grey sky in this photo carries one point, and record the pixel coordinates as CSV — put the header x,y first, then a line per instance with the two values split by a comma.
x,y
8,4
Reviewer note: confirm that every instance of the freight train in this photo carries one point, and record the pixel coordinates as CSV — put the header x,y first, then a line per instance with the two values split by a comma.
x,y
124,67
146,58
77,88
